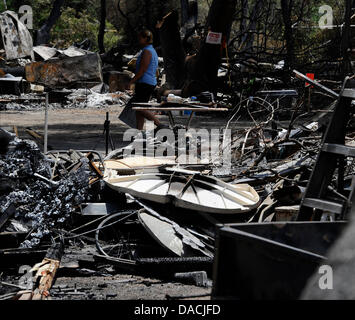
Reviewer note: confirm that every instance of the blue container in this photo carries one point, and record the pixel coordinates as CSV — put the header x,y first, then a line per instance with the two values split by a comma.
x,y
188,112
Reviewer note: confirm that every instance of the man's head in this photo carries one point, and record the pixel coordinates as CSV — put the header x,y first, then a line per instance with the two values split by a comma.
x,y
145,37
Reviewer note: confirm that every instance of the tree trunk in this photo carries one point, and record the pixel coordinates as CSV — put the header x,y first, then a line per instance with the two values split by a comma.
x,y
203,68
243,21
173,53
148,19
184,11
286,7
189,17
252,26
43,34
101,35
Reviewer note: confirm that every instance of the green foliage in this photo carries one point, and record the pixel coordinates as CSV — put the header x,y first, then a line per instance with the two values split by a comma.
x,y
79,21
74,27
2,5
41,11
77,26
112,36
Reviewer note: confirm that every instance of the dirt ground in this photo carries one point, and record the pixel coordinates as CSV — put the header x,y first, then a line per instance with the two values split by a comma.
x,y
82,129
124,287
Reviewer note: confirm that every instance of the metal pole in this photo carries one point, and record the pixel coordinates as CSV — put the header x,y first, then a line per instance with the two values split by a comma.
x,y
107,128
46,126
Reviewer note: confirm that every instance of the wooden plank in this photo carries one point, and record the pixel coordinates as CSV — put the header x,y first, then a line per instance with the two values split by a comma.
x,y
15,131
34,134
47,274
26,296
47,270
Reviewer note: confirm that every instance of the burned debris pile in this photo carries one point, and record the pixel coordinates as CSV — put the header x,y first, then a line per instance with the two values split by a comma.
x,y
39,202
72,77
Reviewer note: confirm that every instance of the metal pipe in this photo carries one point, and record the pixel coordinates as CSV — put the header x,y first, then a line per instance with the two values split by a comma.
x,y
46,125
107,129
303,77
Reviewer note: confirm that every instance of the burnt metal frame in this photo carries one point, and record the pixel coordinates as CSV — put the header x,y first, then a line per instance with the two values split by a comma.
x,y
332,155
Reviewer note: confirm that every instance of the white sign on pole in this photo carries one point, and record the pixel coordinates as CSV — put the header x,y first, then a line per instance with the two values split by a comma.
x,y
214,38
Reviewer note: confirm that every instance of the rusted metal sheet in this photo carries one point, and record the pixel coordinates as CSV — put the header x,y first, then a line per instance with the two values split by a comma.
x,y
66,71
16,38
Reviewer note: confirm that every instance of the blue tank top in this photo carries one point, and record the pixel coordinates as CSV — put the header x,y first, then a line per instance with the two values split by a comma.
x,y
149,76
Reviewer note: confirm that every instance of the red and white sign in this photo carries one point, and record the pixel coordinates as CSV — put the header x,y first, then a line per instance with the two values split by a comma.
x,y
310,76
214,38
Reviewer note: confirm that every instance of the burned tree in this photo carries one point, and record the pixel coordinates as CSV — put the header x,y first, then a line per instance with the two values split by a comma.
x,y
250,31
131,16
43,34
102,27
286,7
189,17
173,53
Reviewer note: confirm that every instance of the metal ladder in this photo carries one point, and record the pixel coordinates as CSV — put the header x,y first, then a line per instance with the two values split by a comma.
x,y
319,196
